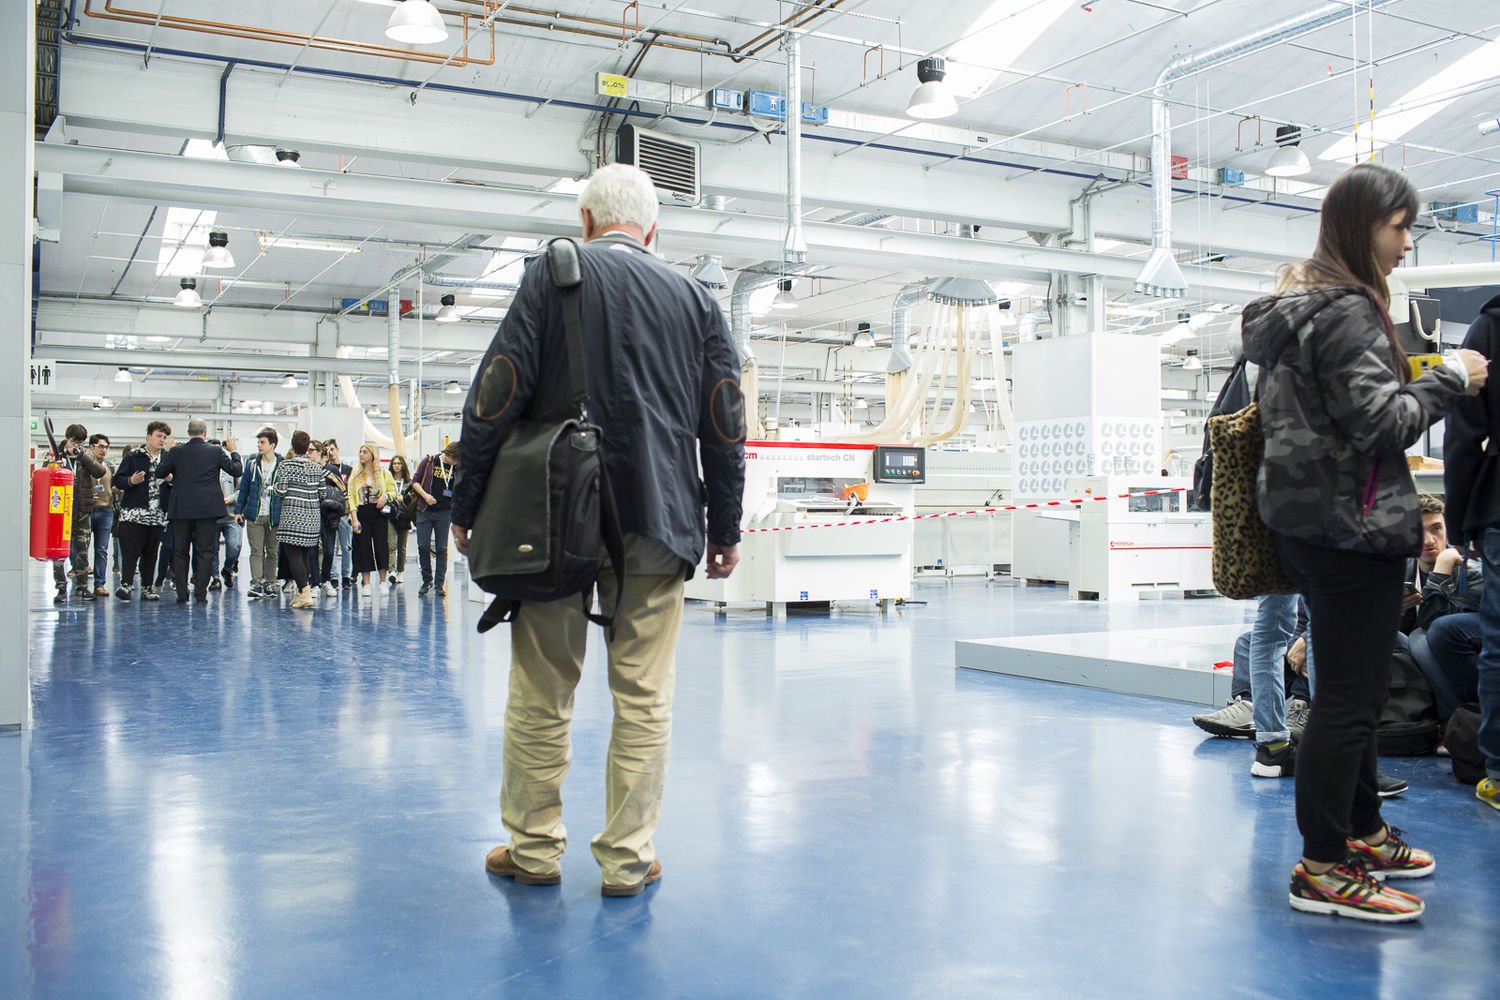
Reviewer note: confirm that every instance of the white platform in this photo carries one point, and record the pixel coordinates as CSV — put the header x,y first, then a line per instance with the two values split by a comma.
x,y
1175,663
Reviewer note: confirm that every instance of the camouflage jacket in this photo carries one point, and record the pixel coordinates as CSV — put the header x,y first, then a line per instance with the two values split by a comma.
x,y
1338,420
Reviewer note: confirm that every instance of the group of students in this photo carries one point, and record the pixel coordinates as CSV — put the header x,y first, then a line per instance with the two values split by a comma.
x,y
163,502
1339,404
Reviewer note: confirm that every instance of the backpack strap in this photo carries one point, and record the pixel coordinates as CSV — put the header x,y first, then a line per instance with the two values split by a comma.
x,y
498,612
567,276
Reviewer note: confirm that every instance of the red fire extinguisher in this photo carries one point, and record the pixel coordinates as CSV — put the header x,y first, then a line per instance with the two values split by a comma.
x,y
51,509
51,513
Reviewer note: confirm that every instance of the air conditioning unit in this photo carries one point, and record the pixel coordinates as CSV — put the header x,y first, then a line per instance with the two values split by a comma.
x,y
670,162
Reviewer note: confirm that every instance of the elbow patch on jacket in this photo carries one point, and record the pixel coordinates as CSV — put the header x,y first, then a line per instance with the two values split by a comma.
x,y
497,388
726,408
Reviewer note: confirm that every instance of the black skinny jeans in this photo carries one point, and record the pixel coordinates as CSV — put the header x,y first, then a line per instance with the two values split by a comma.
x,y
298,558
138,546
1355,601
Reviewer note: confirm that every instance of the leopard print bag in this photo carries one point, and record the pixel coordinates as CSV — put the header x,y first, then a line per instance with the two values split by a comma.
x,y
1244,557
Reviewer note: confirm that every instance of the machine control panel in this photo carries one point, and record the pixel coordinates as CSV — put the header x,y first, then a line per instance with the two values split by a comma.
x,y
896,464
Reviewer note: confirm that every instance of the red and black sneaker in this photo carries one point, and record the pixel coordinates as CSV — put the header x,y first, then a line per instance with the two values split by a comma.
x,y
1393,857
1349,890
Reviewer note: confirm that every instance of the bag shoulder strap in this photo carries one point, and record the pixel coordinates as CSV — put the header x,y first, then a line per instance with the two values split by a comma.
x,y
567,277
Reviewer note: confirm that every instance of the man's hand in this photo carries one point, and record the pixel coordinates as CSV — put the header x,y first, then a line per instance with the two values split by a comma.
x,y
231,444
1296,657
1410,601
239,519
137,479
1447,561
722,559
461,539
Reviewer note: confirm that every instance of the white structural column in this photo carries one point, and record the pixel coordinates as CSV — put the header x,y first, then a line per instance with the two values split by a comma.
x,y
17,85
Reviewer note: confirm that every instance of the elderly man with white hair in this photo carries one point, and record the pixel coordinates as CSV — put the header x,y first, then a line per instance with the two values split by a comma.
x,y
197,504
663,384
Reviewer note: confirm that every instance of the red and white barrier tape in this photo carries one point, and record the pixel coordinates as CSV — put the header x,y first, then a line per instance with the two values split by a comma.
x,y
962,513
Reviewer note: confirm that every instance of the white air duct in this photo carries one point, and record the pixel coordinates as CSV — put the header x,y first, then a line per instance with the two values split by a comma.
x,y
1161,276
746,282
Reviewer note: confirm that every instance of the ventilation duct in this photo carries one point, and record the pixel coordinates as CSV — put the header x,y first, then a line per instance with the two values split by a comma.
x,y
794,250
901,326
1161,276
670,162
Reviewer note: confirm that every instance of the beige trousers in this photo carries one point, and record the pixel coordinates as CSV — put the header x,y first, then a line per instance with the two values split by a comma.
x,y
547,647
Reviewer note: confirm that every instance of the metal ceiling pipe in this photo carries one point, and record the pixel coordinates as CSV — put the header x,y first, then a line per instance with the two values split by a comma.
x,y
1161,276
746,282
794,250
901,326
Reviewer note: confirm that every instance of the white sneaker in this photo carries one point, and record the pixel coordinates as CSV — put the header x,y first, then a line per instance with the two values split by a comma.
x,y
364,590
329,590
1237,719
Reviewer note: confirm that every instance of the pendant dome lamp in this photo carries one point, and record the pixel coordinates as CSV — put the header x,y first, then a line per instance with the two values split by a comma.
x,y
449,311
1288,160
416,22
932,99
784,301
188,298
218,254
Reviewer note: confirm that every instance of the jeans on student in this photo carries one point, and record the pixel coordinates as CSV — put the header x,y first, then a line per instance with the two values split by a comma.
x,y
1270,638
346,547
1489,655
1449,659
432,543
233,543
103,523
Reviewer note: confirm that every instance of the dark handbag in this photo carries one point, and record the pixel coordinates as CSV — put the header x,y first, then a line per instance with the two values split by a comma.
x,y
333,502
401,510
546,524
1232,397
1244,557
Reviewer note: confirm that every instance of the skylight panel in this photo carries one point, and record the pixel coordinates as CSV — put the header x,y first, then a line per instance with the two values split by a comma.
x,y
996,39
184,241
1417,105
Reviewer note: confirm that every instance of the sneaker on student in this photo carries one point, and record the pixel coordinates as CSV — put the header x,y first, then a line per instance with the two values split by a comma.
x,y
1389,787
122,592
1393,857
1236,719
255,593
1349,890
329,590
1297,711
150,594
287,585
1488,792
1274,760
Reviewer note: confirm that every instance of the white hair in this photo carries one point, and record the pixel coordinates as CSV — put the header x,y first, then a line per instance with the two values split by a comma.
x,y
197,427
620,194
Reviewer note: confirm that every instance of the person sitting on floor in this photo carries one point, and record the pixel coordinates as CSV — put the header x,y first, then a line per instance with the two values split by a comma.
x,y
1441,617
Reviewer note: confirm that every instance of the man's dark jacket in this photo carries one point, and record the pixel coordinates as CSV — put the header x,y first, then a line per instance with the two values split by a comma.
x,y
1471,475
194,467
663,381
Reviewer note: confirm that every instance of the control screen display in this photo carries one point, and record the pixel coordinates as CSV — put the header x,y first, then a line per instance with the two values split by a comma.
x,y
900,465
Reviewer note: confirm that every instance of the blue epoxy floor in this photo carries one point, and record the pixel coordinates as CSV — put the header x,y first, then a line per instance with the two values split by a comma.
x,y
235,801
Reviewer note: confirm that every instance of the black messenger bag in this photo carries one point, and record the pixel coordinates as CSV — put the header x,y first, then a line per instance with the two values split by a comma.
x,y
547,524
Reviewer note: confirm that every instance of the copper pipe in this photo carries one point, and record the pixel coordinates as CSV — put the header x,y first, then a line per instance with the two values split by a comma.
x,y
771,36
252,33
557,15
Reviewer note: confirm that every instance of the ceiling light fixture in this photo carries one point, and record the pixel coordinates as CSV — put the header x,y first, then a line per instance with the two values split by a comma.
x,y
288,158
709,271
122,375
449,312
289,381
157,338
1184,330
861,403
1288,160
416,22
188,297
864,338
785,301
453,388
218,255
1193,362
931,99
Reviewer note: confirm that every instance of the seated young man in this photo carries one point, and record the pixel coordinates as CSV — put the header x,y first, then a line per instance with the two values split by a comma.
x,y
1441,623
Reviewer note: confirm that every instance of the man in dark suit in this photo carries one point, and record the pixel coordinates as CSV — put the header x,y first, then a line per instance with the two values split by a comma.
x,y
197,503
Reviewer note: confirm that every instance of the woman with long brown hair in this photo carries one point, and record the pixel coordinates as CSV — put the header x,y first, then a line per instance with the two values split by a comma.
x,y
1339,408
400,528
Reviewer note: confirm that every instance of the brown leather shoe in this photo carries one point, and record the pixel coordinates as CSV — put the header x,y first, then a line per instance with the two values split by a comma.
x,y
498,862
635,888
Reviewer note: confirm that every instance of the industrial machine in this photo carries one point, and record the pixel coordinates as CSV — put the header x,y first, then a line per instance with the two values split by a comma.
x,y
1124,549
799,490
